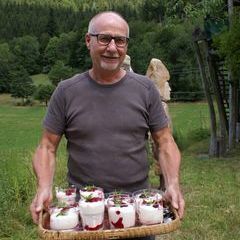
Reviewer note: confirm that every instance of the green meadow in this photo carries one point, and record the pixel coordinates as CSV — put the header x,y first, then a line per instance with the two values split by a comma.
x,y
211,186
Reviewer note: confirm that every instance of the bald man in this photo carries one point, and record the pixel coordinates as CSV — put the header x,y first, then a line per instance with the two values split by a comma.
x,y
105,114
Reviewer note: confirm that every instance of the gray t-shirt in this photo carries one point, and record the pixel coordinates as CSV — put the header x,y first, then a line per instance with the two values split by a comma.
x,y
106,128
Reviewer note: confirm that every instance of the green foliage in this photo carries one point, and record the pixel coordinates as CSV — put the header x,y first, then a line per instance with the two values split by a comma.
x,y
43,93
36,19
60,48
158,29
21,84
6,59
60,72
154,10
51,27
228,44
26,50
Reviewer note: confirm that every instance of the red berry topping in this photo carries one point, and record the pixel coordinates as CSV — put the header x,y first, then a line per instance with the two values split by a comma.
x,y
118,212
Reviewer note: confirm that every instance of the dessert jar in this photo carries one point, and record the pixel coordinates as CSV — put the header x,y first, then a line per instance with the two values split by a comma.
x,y
66,195
121,211
64,218
91,207
149,206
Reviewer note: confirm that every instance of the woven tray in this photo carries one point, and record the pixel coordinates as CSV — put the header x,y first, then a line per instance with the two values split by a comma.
x,y
138,231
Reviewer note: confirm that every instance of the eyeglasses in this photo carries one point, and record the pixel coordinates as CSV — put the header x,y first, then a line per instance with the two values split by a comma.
x,y
105,39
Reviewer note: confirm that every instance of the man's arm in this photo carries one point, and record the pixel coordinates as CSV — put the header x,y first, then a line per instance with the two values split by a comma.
x,y
169,159
44,168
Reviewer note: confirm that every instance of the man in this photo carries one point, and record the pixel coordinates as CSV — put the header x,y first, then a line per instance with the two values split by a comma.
x,y
105,114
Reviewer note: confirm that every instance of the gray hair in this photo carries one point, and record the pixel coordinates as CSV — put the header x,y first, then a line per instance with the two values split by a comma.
x,y
91,25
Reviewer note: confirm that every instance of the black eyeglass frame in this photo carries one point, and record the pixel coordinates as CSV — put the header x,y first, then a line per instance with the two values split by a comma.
x,y
112,38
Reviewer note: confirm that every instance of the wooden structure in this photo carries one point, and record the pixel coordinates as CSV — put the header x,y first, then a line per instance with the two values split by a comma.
x,y
218,89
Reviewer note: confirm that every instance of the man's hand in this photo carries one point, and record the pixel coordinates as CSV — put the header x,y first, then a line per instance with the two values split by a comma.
x,y
169,158
174,195
42,199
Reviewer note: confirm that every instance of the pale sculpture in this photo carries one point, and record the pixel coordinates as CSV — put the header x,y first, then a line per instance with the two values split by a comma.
x,y
126,65
158,73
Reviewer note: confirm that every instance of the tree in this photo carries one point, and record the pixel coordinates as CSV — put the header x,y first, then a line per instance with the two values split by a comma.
x,y
44,92
6,59
26,50
51,27
60,48
154,10
81,53
21,84
60,72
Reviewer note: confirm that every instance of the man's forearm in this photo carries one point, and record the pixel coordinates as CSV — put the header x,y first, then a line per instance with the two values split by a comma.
x,y
169,159
44,166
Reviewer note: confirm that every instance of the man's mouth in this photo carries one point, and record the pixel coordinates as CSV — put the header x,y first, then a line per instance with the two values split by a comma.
x,y
111,57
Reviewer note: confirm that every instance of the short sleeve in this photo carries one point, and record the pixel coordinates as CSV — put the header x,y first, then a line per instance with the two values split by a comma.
x,y
54,120
157,116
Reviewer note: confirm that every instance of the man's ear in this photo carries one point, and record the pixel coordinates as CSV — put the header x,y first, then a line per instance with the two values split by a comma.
x,y
87,40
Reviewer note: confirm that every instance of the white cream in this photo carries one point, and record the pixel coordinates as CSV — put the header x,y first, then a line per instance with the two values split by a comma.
x,y
92,214
149,206
66,221
64,197
96,193
151,195
122,217
150,215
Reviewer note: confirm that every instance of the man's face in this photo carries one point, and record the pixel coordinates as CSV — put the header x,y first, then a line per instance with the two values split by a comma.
x,y
107,58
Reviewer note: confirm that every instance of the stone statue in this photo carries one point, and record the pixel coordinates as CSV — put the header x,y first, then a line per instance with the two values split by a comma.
x,y
158,73
127,64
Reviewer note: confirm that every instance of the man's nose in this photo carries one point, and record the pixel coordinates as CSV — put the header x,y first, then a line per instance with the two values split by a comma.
x,y
112,45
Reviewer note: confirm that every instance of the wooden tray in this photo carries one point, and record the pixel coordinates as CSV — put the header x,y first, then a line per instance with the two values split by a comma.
x,y
138,231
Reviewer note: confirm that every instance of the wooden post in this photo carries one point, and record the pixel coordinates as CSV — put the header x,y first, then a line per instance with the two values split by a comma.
x,y
232,92
213,149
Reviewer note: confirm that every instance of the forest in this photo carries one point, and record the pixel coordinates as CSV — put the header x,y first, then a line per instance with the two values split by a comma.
x,y
48,37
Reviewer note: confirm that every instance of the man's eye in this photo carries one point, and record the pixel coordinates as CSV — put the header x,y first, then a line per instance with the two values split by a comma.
x,y
119,40
104,38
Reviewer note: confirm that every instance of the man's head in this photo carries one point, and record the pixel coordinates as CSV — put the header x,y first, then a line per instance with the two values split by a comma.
x,y
107,41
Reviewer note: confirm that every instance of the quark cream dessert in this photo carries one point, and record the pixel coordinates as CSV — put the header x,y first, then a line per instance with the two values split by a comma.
x,y
66,218
149,206
66,196
121,211
150,212
91,207
91,190
149,194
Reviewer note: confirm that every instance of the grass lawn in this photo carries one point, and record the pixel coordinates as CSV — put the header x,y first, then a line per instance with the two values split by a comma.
x,y
211,186
40,79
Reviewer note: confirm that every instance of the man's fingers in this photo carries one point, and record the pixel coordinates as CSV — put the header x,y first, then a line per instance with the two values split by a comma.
x,y
34,212
36,208
179,204
181,208
176,200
